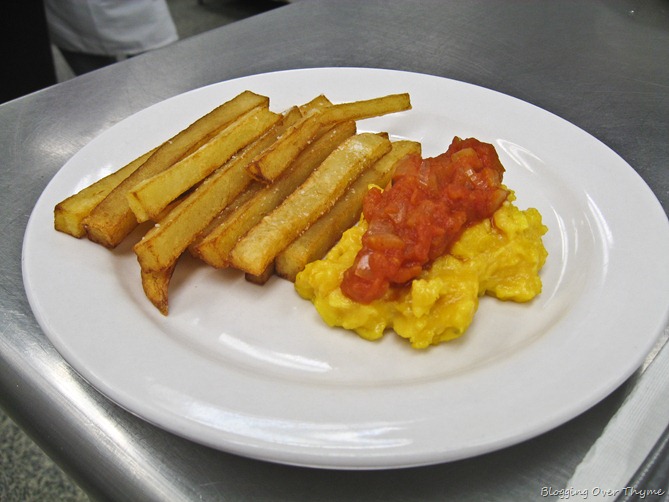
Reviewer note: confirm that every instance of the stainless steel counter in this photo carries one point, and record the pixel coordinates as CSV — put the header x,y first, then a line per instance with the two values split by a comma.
x,y
601,65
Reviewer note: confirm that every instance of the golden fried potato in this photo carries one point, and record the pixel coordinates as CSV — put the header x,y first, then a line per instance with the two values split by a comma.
x,y
317,240
148,198
164,243
276,160
70,213
364,109
269,166
237,186
156,284
256,250
247,194
263,277
215,248
318,103
112,220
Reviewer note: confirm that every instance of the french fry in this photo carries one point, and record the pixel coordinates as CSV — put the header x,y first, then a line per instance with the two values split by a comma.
x,y
364,109
112,220
247,194
238,186
263,277
256,250
166,241
156,284
318,103
215,248
273,162
70,213
149,197
314,243
291,116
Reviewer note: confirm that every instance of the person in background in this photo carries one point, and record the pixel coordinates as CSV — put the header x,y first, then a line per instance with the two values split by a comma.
x,y
25,50
95,33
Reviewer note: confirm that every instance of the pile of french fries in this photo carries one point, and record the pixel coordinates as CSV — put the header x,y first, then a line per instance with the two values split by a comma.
x,y
243,187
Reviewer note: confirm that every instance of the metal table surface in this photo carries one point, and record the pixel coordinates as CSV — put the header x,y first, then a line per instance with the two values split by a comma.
x,y
601,65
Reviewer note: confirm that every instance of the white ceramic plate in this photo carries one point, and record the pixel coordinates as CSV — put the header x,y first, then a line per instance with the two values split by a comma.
x,y
254,371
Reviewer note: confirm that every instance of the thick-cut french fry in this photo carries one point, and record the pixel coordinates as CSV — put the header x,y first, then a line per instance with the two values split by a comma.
x,y
263,277
277,158
247,194
318,103
112,220
151,196
243,181
70,213
358,110
291,116
156,284
273,162
255,251
314,243
215,248
164,243
269,166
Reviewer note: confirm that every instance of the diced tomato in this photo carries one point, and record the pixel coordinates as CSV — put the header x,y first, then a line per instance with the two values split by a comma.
x,y
418,218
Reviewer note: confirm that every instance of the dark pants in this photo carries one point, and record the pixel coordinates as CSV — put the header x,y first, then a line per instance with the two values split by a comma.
x,y
83,63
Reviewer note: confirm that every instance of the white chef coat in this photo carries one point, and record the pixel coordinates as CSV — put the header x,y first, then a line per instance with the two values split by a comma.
x,y
110,27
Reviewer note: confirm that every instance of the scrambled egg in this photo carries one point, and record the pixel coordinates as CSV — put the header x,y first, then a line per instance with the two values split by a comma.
x,y
500,257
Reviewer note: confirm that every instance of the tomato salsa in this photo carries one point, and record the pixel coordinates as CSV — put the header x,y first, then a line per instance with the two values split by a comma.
x,y
429,204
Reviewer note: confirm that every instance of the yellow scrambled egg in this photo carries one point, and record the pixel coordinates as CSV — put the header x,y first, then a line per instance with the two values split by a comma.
x,y
500,257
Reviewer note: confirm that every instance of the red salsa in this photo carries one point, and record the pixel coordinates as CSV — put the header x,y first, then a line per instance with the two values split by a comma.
x,y
418,218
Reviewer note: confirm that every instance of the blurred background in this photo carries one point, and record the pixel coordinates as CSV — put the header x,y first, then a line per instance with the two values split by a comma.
x,y
34,62
48,41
